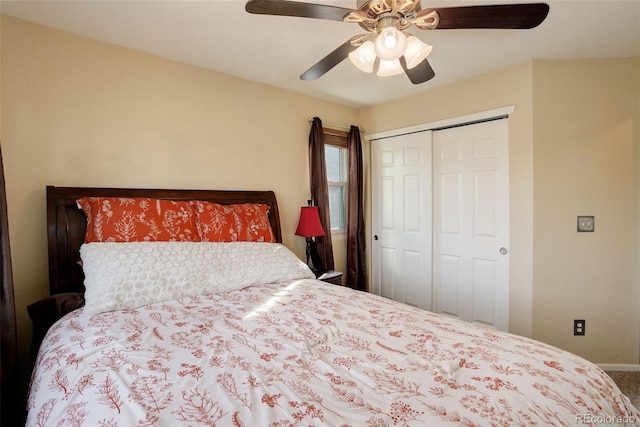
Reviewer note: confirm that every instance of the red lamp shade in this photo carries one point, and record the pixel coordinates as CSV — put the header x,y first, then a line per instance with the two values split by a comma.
x,y
309,224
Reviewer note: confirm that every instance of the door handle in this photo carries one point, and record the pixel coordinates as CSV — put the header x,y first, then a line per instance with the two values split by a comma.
x,y
375,237
503,251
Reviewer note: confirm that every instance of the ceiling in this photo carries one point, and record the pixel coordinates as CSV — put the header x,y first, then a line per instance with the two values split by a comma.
x,y
274,50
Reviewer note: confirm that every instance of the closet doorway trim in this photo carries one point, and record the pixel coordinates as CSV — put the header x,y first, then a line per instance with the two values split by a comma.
x,y
483,116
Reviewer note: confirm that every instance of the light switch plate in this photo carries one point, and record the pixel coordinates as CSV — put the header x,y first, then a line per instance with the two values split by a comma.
x,y
585,223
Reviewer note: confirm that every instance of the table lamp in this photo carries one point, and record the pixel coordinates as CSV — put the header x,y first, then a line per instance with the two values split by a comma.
x,y
309,227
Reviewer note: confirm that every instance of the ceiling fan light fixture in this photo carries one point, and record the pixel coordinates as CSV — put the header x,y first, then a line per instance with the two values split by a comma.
x,y
389,68
390,43
385,20
416,52
364,57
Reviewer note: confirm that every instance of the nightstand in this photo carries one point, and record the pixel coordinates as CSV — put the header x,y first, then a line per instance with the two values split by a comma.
x,y
330,276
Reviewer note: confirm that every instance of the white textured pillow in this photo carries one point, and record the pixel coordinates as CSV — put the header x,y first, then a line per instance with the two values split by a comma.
x,y
122,276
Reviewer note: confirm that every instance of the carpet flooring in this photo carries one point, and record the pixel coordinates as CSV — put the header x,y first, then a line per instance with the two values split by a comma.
x,y
629,384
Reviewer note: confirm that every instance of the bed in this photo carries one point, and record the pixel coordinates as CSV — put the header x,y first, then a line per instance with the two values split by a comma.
x,y
274,348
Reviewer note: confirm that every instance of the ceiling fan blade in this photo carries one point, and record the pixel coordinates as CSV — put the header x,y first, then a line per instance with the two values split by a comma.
x,y
420,73
504,16
329,61
294,8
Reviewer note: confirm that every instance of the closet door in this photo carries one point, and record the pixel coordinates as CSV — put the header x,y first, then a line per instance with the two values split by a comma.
x,y
401,218
471,223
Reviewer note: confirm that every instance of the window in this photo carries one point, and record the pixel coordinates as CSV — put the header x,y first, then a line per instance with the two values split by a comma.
x,y
335,152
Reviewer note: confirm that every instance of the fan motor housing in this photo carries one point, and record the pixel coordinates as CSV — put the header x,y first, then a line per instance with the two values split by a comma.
x,y
380,9
374,6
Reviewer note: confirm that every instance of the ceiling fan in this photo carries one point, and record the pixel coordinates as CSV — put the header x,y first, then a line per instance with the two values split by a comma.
x,y
385,47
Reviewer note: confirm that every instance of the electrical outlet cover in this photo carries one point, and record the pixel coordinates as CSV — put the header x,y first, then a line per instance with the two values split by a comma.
x,y
586,223
579,327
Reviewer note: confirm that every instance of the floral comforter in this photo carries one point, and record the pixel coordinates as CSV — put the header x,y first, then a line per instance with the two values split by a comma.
x,y
311,354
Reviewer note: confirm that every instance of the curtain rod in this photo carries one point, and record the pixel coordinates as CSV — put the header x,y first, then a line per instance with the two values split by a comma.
x,y
335,125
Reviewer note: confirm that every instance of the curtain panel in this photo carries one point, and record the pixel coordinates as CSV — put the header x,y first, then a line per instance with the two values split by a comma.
x,y
356,270
11,402
322,251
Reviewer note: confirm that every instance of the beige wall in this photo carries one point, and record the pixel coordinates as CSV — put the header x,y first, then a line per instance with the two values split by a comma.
x,y
81,113
76,112
574,142
510,86
587,115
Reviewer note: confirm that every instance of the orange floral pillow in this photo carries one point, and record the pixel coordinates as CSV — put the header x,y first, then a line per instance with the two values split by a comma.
x,y
245,222
120,219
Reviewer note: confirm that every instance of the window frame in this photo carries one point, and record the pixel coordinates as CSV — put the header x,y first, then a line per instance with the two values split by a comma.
x,y
339,139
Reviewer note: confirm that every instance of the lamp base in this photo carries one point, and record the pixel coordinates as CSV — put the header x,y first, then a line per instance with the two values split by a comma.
x,y
311,267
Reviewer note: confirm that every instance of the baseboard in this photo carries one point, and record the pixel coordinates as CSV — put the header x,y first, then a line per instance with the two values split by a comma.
x,y
619,367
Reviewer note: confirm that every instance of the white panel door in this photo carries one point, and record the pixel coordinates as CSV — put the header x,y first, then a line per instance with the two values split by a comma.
x,y
471,223
402,218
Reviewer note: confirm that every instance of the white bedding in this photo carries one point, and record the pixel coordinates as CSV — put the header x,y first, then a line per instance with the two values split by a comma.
x,y
121,276
307,353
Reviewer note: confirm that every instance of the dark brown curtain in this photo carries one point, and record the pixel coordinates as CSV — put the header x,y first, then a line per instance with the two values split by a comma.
x,y
9,349
356,271
322,253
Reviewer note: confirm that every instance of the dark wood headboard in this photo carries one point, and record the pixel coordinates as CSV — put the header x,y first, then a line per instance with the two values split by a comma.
x,y
66,224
